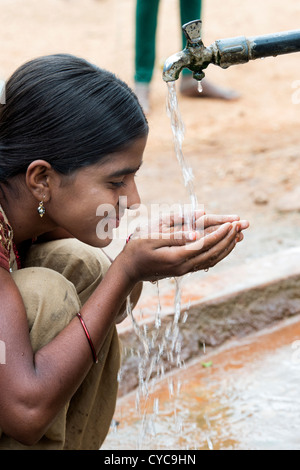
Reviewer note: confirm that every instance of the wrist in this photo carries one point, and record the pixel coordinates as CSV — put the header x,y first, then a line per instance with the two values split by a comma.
x,y
127,265
122,271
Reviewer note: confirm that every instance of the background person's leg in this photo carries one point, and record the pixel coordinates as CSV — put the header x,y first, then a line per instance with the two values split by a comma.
x,y
145,48
145,35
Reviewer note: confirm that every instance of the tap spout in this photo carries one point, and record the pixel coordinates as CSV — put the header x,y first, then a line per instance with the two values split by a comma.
x,y
196,57
226,52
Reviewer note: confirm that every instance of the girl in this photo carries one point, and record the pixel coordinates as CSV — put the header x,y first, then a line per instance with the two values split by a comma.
x,y
72,138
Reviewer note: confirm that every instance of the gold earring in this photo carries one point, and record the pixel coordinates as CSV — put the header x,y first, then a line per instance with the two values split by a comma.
x,y
41,209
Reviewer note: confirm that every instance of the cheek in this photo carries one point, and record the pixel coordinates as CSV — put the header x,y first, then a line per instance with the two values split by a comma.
x,y
101,196
94,204
83,213
99,217
107,208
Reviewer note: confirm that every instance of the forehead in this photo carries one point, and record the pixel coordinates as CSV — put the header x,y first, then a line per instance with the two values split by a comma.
x,y
124,162
117,164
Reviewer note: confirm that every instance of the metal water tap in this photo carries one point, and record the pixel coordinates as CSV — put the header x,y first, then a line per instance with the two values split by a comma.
x,y
226,52
193,57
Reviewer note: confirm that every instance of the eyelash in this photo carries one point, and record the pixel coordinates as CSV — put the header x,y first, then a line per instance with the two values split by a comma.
x,y
119,184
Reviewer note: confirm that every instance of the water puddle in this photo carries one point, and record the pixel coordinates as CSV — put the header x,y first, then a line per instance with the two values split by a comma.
x,y
243,397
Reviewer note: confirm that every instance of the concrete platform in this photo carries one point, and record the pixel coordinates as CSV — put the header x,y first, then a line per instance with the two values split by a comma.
x,y
213,309
246,399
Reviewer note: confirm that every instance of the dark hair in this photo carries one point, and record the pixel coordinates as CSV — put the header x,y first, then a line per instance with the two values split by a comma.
x,y
62,109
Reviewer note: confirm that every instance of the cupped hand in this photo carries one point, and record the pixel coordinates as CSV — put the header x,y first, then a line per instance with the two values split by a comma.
x,y
171,223
173,251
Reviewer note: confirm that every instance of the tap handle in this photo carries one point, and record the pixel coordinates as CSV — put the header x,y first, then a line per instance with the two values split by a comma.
x,y
192,31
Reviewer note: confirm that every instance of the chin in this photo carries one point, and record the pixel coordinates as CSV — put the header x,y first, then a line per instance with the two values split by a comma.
x,y
101,242
97,238
104,243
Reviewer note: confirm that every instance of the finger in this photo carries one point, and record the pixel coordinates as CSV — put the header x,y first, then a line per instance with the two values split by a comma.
x,y
210,229
170,239
172,219
212,220
239,237
215,219
213,256
181,219
242,224
204,243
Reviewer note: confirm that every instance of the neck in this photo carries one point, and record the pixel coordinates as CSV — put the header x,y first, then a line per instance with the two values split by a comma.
x,y
24,219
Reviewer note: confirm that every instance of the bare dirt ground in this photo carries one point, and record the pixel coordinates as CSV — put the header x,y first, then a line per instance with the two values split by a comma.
x,y
245,155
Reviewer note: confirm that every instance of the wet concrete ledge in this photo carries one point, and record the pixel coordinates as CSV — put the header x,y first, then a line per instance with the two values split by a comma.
x,y
214,309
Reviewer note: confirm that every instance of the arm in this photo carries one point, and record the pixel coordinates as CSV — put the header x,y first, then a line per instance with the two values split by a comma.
x,y
134,297
59,234
34,387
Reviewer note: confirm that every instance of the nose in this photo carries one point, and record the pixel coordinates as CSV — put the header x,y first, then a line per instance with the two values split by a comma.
x,y
132,196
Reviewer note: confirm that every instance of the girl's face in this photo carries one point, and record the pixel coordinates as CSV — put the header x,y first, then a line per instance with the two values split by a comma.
x,y
91,205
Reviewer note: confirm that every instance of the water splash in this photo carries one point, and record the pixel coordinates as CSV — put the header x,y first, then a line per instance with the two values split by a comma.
x,y
158,311
141,334
161,352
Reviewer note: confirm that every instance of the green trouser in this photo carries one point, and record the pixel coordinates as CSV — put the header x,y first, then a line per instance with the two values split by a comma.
x,y
146,23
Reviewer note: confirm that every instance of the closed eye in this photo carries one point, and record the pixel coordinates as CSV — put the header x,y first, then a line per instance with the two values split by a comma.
x,y
118,184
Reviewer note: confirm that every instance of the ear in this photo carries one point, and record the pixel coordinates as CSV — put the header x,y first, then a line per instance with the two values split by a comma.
x,y
39,177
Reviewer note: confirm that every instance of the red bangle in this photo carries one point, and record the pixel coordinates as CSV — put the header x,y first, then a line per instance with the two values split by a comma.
x,y
95,358
128,238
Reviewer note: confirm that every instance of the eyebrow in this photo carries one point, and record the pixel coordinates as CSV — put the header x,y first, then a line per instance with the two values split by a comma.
x,y
125,171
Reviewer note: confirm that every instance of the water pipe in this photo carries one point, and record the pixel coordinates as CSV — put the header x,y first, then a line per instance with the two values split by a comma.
x,y
226,52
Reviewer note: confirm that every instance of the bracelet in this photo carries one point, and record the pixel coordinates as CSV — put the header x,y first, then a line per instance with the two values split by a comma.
x,y
95,358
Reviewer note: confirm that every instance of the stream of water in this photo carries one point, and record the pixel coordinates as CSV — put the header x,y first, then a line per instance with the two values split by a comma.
x,y
163,342
178,137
